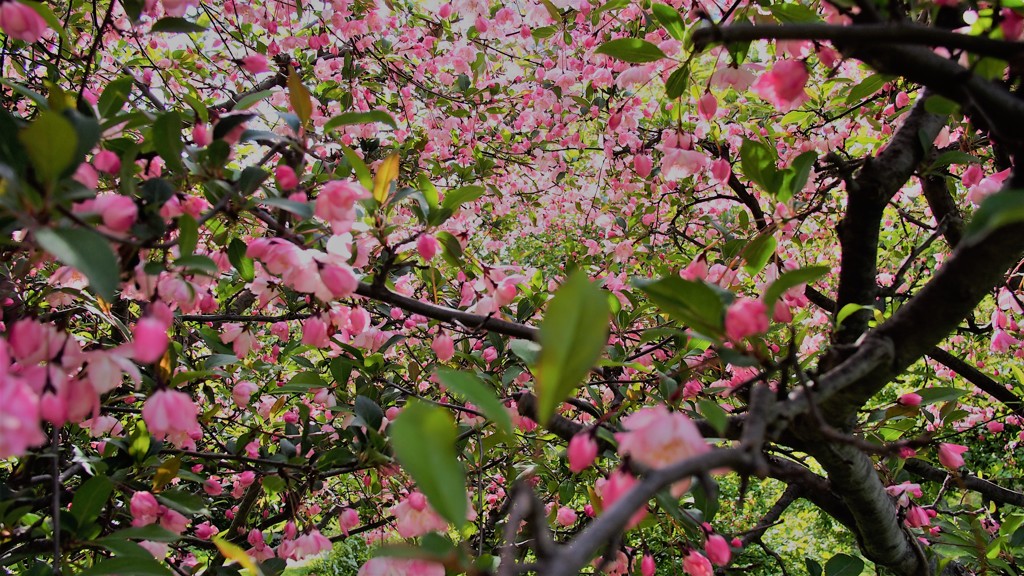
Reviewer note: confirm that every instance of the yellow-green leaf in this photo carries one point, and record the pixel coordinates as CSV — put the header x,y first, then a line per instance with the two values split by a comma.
x,y
299,96
387,174
51,142
232,552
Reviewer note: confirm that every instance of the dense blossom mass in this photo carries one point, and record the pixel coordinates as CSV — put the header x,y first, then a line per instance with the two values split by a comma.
x,y
538,286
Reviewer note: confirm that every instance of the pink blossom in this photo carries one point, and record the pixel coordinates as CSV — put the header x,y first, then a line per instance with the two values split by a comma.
x,y
178,8
392,566
426,246
19,417
150,340
647,566
707,106
721,170
145,509
201,135
950,455
657,438
443,346
314,332
242,392
213,487
413,517
304,546
285,177
205,531
1011,23
1002,341
695,564
784,84
745,317
107,161
909,399
336,203
614,488
717,550
995,427
118,212
642,165
173,521
677,163
170,414
21,22
341,281
917,517
566,516
348,519
582,452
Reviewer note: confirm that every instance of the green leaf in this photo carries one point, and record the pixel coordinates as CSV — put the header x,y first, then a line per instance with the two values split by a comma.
x,y
217,360
238,259
844,565
51,142
792,279
758,252
813,568
940,105
793,13
167,139
694,304
251,179
1000,209
954,157
573,335
350,118
940,394
85,251
714,414
171,24
795,177
845,312
301,209
115,94
359,167
677,82
128,565
472,389
867,87
670,20
90,499
183,502
299,96
758,162
527,350
251,99
423,438
459,196
188,234
632,50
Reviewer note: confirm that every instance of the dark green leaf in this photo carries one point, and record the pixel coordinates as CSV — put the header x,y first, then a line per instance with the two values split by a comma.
x,y
423,438
251,179
301,209
758,252
573,335
795,177
51,142
251,99
85,251
867,87
714,414
632,50
188,234
670,20
183,502
1000,209
350,118
115,94
758,163
792,13
90,499
677,82
167,139
171,24
940,394
844,565
128,565
813,568
694,304
472,389
238,259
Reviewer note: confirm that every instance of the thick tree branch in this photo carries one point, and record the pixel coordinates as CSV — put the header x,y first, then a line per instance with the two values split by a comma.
x,y
862,34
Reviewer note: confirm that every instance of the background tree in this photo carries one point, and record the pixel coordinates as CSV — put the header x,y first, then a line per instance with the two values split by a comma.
x,y
545,287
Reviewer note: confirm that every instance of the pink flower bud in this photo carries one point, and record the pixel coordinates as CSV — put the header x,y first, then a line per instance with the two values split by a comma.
x,y
647,566
910,399
21,22
443,346
107,161
212,487
348,519
565,517
255,63
950,455
340,280
707,106
118,212
717,550
286,178
201,135
745,317
417,501
582,452
642,165
150,340
427,246
721,170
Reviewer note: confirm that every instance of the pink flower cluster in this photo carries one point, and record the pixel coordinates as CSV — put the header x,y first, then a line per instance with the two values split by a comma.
x,y
146,510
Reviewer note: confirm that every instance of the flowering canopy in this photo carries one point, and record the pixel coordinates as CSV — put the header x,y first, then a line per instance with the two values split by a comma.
x,y
504,287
